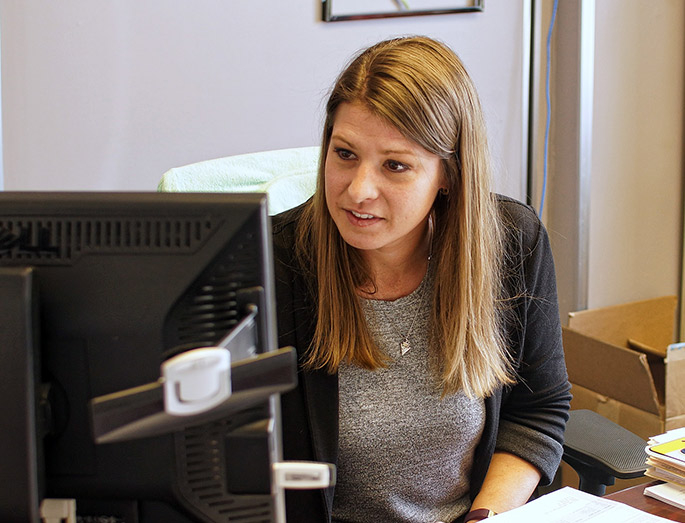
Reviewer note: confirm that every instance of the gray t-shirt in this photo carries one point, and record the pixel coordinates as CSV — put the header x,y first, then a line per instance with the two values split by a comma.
x,y
405,454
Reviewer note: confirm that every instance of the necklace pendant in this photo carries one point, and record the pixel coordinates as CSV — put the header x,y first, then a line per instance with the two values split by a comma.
x,y
405,346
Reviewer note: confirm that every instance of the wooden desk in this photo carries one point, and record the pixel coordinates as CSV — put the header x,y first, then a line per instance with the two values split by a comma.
x,y
634,497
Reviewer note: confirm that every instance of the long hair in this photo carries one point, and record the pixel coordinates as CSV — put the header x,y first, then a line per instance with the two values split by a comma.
x,y
419,86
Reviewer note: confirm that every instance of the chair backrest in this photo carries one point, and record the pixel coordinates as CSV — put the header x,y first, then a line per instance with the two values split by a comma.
x,y
288,176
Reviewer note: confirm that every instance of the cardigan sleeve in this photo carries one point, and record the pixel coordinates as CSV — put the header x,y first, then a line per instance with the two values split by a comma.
x,y
534,410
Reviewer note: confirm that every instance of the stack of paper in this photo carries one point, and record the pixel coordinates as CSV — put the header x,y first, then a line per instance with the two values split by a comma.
x,y
666,462
668,493
666,457
568,505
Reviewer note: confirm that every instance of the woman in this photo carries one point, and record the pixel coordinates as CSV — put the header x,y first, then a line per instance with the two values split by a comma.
x,y
422,306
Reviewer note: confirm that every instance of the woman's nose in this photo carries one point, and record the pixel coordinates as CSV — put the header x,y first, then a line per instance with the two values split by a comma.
x,y
364,183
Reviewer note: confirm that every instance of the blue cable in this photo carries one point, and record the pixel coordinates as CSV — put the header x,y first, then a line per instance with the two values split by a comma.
x,y
549,107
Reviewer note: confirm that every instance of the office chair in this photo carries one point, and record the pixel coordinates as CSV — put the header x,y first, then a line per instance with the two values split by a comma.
x,y
600,451
597,449
288,176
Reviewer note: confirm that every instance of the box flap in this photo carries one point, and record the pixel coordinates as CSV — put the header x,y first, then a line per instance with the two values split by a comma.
x,y
648,322
659,352
613,371
675,380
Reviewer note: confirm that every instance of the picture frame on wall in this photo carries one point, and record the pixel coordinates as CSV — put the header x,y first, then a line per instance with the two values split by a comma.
x,y
342,10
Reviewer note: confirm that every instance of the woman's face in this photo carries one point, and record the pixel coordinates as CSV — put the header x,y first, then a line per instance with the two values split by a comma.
x,y
380,186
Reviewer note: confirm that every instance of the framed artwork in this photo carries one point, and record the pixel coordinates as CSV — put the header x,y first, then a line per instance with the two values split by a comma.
x,y
341,10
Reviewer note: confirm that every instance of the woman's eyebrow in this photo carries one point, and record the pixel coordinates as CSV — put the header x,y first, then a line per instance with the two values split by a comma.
x,y
388,151
399,151
340,138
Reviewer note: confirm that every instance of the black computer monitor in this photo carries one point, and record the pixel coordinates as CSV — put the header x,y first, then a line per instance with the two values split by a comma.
x,y
97,290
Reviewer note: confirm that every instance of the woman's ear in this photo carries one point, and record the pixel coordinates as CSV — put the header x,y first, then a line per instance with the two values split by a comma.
x,y
444,187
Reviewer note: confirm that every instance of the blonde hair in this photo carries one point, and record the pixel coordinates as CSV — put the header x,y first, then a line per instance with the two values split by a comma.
x,y
420,87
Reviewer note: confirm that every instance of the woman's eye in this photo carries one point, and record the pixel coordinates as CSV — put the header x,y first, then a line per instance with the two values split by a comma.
x,y
344,153
396,167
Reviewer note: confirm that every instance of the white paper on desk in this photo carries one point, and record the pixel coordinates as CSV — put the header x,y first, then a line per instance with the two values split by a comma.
x,y
668,493
568,505
667,436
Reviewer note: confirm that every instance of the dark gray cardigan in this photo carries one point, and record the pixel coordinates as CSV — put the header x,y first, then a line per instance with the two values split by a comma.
x,y
534,410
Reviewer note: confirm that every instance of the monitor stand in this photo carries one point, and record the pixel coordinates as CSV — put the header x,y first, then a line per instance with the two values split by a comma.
x,y
21,474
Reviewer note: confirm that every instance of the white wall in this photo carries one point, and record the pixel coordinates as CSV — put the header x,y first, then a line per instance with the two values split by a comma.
x,y
629,244
107,95
637,168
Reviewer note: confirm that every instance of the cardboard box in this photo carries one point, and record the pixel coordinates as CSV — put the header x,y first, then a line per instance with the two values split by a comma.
x,y
622,363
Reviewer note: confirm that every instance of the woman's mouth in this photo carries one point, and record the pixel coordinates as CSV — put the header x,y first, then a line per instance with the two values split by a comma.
x,y
361,219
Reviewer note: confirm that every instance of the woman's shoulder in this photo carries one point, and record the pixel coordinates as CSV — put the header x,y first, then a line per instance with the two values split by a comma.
x,y
284,228
284,225
519,220
516,211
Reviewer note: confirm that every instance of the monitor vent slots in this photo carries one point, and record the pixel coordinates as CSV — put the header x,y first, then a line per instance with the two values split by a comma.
x,y
211,310
63,240
201,453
